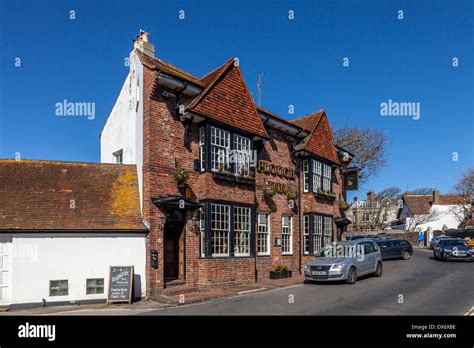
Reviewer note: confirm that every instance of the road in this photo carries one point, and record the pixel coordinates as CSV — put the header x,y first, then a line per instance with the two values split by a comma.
x,y
419,286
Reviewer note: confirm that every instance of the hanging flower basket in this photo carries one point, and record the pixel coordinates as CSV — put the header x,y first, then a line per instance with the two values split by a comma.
x,y
344,205
292,194
268,191
181,176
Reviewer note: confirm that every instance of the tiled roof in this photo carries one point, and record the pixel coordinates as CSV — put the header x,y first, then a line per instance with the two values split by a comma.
x,y
160,64
320,141
420,204
227,100
417,204
43,195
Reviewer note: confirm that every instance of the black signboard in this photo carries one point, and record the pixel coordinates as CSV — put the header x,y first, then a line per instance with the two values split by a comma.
x,y
120,284
351,179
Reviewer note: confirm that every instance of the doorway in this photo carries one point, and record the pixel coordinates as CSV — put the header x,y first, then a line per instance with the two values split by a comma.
x,y
174,252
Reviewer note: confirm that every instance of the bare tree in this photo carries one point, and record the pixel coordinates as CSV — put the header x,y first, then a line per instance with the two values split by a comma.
x,y
392,193
368,146
465,188
419,219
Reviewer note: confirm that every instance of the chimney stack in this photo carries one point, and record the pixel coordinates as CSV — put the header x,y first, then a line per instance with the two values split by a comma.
x,y
370,196
141,43
435,195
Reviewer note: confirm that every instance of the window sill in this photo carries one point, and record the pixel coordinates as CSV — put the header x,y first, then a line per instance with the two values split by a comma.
x,y
233,178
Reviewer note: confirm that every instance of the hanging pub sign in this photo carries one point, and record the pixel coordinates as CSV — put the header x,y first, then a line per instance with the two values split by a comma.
x,y
120,284
351,179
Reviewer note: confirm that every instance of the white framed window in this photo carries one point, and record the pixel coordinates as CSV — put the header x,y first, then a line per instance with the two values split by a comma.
x,y
306,234
202,231
241,155
317,173
305,176
241,231
202,148
220,149
327,178
263,234
286,235
327,231
317,233
220,229
58,287
94,286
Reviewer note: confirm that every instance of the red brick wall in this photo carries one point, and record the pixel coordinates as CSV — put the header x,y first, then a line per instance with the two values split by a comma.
x,y
164,150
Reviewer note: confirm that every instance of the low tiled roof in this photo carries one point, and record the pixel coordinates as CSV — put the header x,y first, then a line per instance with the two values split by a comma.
x,y
420,204
320,141
56,195
417,204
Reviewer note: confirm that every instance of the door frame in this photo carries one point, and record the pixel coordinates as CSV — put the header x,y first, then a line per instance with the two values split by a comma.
x,y
182,228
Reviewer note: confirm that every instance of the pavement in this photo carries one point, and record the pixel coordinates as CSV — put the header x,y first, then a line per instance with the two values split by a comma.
x,y
419,286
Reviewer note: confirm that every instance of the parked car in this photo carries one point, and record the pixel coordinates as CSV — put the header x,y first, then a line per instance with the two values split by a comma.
x,y
395,249
346,260
436,239
453,249
355,237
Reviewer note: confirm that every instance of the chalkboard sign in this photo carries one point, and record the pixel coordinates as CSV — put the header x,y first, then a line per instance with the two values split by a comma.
x,y
120,284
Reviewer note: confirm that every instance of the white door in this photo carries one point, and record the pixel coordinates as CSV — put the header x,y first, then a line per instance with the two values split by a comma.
x,y
4,273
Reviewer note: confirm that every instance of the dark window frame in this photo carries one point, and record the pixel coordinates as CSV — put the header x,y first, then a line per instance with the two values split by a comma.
x,y
312,222
207,144
208,230
309,175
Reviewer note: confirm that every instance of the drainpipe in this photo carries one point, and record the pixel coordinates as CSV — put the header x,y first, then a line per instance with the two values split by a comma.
x,y
300,200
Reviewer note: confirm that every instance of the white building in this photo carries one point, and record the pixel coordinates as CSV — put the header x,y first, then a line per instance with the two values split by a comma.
x,y
428,213
62,225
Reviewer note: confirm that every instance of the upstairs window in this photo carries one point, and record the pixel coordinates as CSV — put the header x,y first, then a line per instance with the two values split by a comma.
x,y
305,176
327,178
241,155
220,149
317,174
202,148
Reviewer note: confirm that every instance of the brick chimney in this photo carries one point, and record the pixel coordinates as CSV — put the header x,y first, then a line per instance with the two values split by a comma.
x,y
141,43
435,197
370,196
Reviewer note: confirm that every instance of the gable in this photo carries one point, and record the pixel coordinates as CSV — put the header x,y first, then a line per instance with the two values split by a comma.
x,y
227,100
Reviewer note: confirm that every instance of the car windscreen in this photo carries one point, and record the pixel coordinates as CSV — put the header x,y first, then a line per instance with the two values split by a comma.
x,y
452,243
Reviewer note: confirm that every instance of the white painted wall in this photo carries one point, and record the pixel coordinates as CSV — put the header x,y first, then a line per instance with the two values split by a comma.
x,y
38,258
446,218
123,129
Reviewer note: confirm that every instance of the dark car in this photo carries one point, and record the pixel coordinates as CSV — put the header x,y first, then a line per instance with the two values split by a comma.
x,y
395,249
436,239
453,249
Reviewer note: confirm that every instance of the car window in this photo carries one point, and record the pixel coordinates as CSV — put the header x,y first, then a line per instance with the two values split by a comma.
x,y
368,247
389,244
404,243
397,243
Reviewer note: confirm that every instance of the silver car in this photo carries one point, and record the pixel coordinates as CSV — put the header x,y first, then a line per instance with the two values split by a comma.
x,y
345,261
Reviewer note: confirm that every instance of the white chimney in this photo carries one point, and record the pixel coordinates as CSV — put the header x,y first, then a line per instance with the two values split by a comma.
x,y
141,43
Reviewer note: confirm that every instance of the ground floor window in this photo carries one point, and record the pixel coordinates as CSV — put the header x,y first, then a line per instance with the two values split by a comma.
x,y
317,232
226,230
263,238
58,288
286,235
95,286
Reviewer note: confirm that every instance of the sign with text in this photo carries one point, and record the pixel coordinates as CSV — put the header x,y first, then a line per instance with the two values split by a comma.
x,y
120,284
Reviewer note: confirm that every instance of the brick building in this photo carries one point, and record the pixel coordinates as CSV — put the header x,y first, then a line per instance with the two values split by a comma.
x,y
228,189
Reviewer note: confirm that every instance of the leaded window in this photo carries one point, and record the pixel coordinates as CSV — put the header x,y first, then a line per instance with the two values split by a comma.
x,y
241,231
220,229
241,155
306,234
263,237
305,176
286,235
327,230
317,233
220,149
317,173
326,178
202,148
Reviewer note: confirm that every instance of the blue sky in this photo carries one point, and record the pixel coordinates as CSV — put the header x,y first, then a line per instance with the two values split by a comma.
x,y
407,60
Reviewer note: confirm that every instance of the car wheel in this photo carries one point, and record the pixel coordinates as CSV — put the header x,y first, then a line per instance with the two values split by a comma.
x,y
352,276
378,270
406,255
